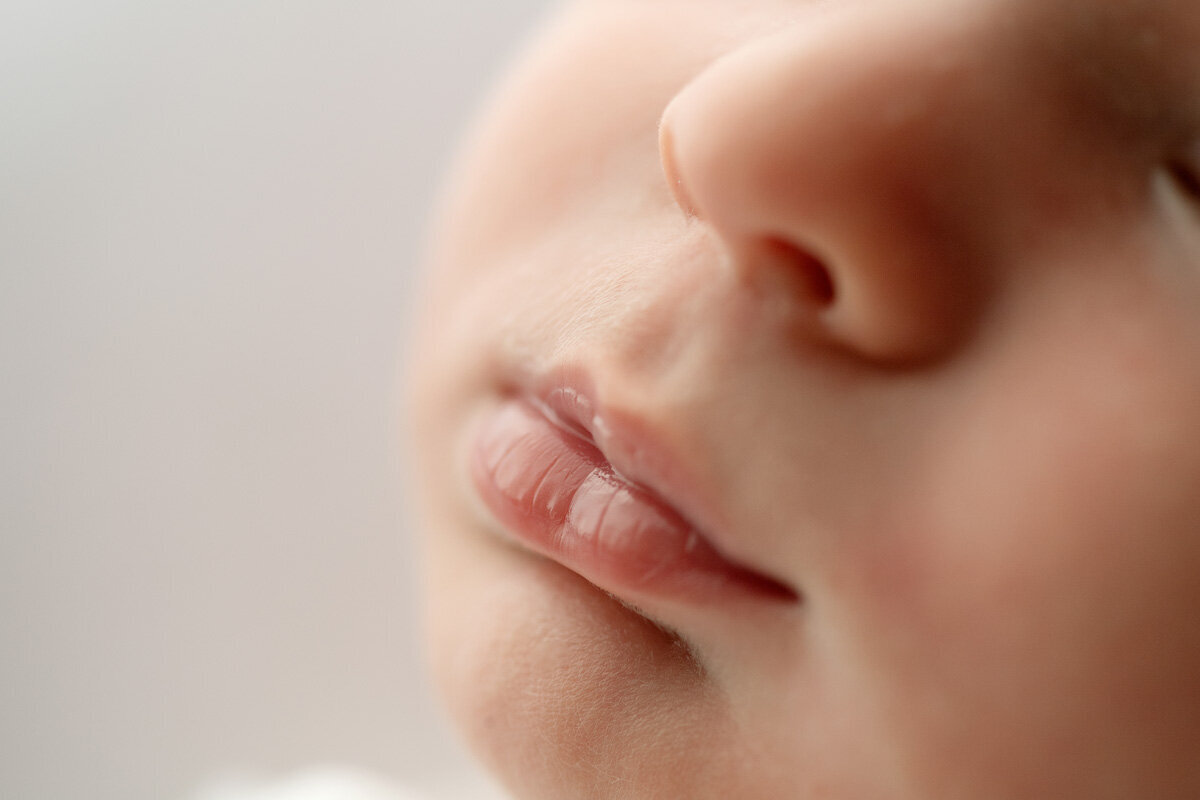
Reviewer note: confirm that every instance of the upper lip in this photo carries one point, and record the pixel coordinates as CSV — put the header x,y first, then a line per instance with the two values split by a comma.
x,y
636,450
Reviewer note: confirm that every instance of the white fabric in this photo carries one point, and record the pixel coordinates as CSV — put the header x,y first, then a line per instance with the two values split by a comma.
x,y
316,784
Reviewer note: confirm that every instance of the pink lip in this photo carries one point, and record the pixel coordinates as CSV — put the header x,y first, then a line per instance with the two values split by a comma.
x,y
538,469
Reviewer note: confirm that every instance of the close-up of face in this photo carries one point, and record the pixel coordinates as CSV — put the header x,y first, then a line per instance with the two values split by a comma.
x,y
807,403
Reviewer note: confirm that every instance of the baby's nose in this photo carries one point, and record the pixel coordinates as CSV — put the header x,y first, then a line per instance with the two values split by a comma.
x,y
861,151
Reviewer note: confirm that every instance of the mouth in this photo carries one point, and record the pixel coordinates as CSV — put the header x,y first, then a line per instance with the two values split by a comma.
x,y
538,468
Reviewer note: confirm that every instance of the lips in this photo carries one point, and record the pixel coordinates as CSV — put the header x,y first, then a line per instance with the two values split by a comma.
x,y
539,471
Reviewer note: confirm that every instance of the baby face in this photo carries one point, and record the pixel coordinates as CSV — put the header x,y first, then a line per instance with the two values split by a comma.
x,y
808,404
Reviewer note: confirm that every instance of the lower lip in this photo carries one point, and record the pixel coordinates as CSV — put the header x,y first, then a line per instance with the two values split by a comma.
x,y
556,494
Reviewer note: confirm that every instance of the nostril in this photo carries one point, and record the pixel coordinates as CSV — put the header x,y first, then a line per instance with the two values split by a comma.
x,y
1186,177
801,268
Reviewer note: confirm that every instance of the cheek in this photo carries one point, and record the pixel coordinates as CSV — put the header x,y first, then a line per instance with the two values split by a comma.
x,y
573,128
1038,604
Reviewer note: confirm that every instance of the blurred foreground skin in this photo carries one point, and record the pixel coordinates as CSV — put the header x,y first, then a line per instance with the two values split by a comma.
x,y
808,404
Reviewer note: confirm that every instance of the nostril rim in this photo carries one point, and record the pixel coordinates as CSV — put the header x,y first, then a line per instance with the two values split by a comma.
x,y
670,167
808,271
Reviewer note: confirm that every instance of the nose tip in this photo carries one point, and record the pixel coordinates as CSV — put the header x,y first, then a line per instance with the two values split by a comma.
x,y
825,153
812,282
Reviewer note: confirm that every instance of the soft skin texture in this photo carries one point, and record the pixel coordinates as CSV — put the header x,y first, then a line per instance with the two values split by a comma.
x,y
910,289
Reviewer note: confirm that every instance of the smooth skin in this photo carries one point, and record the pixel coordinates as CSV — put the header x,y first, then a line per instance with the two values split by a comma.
x,y
912,288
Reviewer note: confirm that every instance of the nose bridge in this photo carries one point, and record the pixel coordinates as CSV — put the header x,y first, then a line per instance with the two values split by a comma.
x,y
854,141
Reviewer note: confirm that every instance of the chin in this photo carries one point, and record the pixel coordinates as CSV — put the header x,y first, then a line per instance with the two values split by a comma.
x,y
563,692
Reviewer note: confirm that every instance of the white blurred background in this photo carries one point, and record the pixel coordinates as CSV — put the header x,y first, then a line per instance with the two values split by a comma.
x,y
210,214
